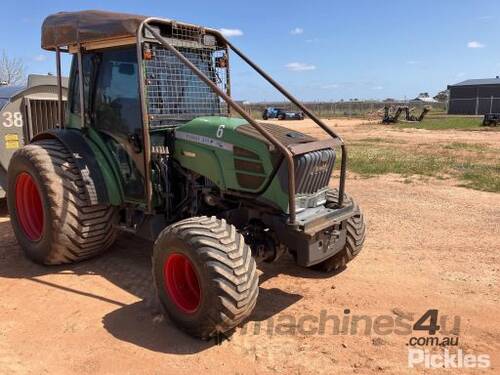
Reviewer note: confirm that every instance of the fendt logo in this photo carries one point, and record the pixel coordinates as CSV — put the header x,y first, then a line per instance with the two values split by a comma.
x,y
320,168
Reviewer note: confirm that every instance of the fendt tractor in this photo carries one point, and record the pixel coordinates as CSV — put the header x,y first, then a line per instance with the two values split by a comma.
x,y
151,143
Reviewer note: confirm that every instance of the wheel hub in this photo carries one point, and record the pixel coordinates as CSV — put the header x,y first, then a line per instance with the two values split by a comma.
x,y
29,207
181,282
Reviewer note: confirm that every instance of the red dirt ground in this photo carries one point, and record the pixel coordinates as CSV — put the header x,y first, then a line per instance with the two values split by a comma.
x,y
429,246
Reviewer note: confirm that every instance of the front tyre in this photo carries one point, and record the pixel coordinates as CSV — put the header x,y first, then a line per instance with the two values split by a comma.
x,y
205,275
355,235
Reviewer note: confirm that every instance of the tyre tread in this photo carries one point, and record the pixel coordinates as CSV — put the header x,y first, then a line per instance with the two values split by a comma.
x,y
81,230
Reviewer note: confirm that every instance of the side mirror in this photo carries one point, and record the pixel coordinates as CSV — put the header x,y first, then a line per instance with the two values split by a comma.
x,y
221,61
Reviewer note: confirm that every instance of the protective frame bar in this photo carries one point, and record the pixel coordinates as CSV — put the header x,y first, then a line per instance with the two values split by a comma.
x,y
60,108
287,152
81,88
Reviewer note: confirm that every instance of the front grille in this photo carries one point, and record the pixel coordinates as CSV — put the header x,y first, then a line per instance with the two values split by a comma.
x,y
42,115
313,170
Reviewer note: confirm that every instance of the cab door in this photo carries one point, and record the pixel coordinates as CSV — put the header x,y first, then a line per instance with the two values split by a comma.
x,y
116,115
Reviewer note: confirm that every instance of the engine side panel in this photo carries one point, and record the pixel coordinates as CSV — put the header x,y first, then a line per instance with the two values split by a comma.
x,y
212,147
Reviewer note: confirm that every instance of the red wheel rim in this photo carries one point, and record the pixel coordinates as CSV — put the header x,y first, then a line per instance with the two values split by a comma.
x,y
29,207
181,282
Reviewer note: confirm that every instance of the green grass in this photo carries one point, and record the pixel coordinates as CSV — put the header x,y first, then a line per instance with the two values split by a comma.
x,y
473,147
481,177
380,140
370,160
441,123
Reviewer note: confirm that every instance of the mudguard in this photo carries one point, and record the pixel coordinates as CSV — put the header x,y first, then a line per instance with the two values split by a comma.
x,y
100,188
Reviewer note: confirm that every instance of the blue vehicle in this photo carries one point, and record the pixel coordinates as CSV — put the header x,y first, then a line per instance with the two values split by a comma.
x,y
281,114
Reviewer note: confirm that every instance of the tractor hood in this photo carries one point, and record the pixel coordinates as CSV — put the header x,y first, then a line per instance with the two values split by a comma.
x,y
224,132
235,156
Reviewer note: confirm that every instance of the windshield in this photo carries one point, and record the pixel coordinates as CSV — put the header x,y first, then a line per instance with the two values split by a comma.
x,y
175,93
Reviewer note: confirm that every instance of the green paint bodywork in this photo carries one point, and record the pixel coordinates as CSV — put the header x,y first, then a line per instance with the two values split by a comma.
x,y
210,160
108,166
218,163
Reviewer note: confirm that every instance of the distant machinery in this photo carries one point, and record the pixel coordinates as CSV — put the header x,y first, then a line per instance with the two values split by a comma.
x,y
491,119
391,115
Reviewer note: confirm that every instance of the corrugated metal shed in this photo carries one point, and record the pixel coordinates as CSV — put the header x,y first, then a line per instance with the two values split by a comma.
x,y
477,82
475,97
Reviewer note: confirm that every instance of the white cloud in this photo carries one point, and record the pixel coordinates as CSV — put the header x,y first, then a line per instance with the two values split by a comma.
x,y
40,58
299,67
461,74
228,33
297,31
313,40
377,87
413,62
475,44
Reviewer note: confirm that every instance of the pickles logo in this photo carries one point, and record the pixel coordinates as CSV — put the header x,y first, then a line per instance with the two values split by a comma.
x,y
446,359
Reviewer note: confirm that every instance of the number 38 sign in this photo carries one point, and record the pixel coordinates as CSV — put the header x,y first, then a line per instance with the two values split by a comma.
x,y
12,119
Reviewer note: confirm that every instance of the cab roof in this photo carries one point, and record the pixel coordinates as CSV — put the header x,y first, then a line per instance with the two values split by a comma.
x,y
70,28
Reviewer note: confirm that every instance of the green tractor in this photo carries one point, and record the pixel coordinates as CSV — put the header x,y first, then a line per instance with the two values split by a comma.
x,y
151,143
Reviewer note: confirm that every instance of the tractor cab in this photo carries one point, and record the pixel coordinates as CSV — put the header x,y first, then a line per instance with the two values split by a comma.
x,y
130,90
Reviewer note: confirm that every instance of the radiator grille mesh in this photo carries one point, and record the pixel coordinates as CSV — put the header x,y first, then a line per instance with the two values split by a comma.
x,y
313,170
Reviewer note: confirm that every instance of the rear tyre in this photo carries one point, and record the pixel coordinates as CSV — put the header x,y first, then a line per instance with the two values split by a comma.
x,y
53,221
205,275
355,236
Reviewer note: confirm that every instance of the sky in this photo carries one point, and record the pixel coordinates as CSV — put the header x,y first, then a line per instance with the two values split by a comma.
x,y
319,50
